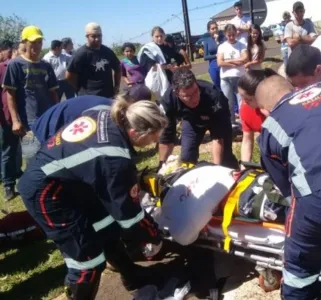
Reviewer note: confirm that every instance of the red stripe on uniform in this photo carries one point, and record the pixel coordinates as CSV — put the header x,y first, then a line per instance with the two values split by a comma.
x,y
43,196
290,219
82,277
54,196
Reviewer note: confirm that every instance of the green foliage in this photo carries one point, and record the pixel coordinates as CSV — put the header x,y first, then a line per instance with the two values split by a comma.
x,y
11,27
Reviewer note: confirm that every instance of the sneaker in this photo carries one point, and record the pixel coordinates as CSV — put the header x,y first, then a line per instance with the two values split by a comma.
x,y
9,193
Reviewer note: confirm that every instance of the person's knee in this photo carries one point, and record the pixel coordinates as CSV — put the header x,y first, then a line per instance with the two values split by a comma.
x,y
308,292
300,287
85,275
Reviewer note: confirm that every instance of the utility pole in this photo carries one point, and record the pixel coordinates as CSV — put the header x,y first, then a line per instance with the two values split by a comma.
x,y
251,10
187,29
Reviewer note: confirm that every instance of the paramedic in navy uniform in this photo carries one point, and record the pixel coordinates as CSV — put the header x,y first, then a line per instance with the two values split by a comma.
x,y
291,154
82,189
67,111
201,107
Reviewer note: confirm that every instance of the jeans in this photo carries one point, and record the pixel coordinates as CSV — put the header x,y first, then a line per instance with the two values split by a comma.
x,y
214,71
285,55
65,88
229,89
11,158
29,146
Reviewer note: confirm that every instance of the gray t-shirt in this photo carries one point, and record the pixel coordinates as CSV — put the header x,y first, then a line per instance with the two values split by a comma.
x,y
32,82
292,30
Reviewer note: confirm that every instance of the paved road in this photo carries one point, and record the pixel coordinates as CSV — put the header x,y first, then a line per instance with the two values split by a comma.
x,y
273,49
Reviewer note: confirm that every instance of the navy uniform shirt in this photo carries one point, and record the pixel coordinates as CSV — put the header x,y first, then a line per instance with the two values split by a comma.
x,y
212,113
93,152
290,142
65,112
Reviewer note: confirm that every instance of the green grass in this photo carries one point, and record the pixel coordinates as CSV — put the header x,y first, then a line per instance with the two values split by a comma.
x,y
36,271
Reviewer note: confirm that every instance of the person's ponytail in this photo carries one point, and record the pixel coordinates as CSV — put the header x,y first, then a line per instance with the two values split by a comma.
x,y
118,111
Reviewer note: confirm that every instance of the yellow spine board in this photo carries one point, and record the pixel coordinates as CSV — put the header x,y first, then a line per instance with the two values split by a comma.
x,y
231,207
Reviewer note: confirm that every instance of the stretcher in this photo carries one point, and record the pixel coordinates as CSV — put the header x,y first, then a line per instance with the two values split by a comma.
x,y
258,241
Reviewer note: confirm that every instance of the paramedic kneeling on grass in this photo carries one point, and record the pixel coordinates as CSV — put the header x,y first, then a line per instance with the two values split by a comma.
x,y
82,189
291,153
201,107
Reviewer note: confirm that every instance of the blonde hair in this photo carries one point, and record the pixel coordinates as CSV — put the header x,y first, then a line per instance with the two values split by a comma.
x,y
144,116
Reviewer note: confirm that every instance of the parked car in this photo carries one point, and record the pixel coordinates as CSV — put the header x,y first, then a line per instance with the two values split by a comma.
x,y
267,33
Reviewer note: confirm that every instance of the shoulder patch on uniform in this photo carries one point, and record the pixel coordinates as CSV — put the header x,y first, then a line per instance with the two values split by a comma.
x,y
102,131
308,98
79,130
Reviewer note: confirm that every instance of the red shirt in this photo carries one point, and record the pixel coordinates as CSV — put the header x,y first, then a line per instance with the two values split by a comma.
x,y
251,118
4,111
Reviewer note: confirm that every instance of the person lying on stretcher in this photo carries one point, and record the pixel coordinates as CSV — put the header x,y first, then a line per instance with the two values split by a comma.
x,y
190,197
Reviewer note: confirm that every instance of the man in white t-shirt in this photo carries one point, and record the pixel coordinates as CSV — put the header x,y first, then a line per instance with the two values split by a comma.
x,y
59,63
300,30
241,22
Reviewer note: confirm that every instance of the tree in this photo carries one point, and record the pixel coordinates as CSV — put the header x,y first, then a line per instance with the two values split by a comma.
x,y
11,27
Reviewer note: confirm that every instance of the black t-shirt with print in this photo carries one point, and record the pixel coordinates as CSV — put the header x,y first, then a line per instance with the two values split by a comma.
x,y
94,68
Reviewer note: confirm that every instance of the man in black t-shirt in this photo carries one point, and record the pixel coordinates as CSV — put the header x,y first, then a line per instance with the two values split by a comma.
x,y
90,69
201,107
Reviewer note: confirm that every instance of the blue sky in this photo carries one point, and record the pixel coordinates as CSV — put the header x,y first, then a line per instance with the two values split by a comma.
x,y
119,19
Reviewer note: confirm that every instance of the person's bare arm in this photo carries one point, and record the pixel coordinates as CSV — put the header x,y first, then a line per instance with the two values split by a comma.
x,y
224,63
17,127
217,151
293,42
256,61
187,63
247,146
308,39
242,60
72,79
165,150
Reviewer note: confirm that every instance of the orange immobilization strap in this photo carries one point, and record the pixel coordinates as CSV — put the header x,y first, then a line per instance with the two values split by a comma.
x,y
231,207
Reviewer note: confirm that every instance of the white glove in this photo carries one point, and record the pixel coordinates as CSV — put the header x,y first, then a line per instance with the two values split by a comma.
x,y
151,250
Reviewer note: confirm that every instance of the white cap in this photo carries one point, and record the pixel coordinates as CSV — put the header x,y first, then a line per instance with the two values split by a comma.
x,y
92,28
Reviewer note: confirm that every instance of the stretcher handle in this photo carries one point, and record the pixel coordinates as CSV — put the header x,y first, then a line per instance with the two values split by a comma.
x,y
250,165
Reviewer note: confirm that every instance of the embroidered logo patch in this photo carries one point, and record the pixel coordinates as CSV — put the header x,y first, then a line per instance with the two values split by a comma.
x,y
134,193
310,98
79,130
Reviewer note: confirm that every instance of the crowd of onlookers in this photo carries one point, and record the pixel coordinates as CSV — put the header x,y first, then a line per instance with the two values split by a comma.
x,y
31,85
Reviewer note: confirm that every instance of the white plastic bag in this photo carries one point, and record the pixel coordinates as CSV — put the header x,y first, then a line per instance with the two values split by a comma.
x,y
156,80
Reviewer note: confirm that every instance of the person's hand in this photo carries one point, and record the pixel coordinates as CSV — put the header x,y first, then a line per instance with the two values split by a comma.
x,y
18,129
296,36
130,84
116,90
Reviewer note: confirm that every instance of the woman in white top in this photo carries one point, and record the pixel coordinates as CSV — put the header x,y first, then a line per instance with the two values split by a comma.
x,y
255,48
231,57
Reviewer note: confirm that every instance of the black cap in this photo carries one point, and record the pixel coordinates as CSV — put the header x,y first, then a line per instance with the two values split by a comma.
x,y
298,5
303,60
238,4
140,92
